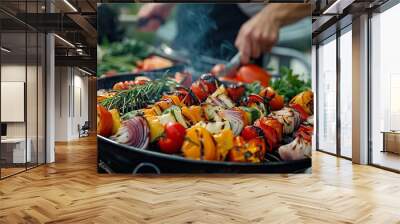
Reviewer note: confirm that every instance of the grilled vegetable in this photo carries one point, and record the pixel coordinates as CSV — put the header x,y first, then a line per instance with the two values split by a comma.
x,y
274,123
252,114
176,111
236,120
187,97
174,99
289,118
267,93
251,151
166,118
298,149
134,132
250,131
305,100
199,144
156,128
220,98
235,91
214,127
270,134
173,139
193,114
257,102
205,86
277,102
164,104
210,82
212,113
305,131
224,142
152,111
116,120
104,121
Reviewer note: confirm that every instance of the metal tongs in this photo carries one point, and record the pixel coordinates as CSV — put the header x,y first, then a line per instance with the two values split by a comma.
x,y
233,64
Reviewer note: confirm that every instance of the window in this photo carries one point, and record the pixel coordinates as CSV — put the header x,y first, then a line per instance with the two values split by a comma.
x,y
327,96
385,88
346,92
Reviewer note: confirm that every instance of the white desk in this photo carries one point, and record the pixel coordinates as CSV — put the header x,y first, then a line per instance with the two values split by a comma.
x,y
18,150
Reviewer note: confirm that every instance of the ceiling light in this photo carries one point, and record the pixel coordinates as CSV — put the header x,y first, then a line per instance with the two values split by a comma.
x,y
70,5
337,7
84,71
5,50
65,41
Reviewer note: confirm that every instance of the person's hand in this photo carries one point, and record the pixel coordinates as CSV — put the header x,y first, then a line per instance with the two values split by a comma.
x,y
150,10
258,35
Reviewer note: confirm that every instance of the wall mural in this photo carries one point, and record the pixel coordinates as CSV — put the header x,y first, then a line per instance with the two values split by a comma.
x,y
204,88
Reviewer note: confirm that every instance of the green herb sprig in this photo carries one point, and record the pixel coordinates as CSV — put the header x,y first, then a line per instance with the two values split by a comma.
x,y
139,96
289,84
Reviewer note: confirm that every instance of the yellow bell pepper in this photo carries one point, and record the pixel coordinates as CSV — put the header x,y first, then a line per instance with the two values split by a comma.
x,y
305,99
151,111
193,113
224,142
175,99
164,104
199,144
116,120
156,128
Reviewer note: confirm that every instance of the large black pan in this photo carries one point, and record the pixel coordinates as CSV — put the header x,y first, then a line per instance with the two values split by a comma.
x,y
114,157
118,158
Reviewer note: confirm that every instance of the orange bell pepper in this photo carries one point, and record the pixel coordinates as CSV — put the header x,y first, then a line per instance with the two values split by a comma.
x,y
104,121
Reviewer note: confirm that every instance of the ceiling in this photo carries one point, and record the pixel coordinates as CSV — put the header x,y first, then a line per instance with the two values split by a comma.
x,y
73,20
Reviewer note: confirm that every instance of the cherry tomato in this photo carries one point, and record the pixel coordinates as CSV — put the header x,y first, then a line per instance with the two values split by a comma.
x,y
251,73
173,138
175,131
249,132
199,91
235,91
167,145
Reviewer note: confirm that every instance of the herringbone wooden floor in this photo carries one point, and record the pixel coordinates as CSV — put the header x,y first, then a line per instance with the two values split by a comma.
x,y
70,191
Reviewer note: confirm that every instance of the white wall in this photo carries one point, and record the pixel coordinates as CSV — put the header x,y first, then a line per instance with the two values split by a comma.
x,y
71,94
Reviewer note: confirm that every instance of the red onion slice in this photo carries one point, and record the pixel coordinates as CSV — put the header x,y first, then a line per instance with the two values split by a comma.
x,y
134,132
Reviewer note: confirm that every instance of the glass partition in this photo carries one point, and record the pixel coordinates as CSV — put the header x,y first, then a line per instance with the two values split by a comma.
x,y
22,91
15,152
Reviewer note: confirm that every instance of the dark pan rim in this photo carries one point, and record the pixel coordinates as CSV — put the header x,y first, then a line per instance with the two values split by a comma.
x,y
182,159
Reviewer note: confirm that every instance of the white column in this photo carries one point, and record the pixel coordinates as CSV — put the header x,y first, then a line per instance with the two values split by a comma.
x,y
360,90
50,92
314,89
50,99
